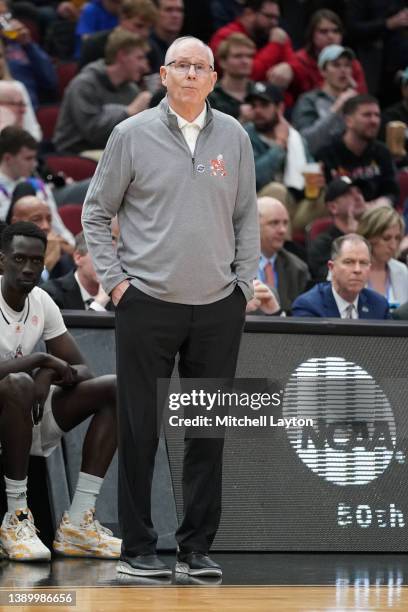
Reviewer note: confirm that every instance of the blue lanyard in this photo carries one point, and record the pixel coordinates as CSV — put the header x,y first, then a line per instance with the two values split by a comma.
x,y
36,183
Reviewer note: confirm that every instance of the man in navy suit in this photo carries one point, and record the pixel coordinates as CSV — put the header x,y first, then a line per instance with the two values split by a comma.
x,y
345,296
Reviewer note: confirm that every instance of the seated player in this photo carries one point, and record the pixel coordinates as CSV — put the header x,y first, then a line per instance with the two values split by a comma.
x,y
42,396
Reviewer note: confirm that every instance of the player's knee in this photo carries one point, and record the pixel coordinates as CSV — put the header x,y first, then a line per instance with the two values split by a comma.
x,y
19,383
18,387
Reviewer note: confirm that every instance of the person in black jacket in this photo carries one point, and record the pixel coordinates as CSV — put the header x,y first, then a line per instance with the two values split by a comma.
x,y
379,29
346,205
358,155
398,112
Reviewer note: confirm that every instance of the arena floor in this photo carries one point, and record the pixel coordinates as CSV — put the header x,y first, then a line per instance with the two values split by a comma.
x,y
307,582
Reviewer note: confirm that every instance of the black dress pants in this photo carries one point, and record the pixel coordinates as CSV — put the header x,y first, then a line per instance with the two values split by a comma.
x,y
149,334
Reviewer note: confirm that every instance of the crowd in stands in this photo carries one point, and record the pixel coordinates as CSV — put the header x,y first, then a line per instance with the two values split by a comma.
x,y
321,87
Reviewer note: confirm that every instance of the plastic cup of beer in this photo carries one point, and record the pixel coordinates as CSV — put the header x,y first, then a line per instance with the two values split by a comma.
x,y
7,28
11,34
311,172
395,138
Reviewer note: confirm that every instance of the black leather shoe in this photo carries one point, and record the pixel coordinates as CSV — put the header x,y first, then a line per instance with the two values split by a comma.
x,y
143,565
197,564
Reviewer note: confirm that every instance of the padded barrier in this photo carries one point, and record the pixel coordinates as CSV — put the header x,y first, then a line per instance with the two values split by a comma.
x,y
338,486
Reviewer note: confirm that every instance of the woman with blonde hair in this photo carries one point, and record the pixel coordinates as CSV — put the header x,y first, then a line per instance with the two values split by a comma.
x,y
384,229
30,123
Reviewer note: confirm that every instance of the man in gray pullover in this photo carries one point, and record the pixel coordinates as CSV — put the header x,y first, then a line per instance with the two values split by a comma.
x,y
181,179
102,95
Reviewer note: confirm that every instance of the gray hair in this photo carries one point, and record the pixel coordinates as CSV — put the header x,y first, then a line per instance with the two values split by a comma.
x,y
80,244
265,203
339,242
182,39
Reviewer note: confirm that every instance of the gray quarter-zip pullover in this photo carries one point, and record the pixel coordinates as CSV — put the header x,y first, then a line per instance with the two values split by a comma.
x,y
188,224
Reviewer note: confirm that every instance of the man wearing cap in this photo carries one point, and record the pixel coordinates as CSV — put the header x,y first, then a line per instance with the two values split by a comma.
x,y
318,114
346,205
399,112
345,296
279,150
359,155
280,155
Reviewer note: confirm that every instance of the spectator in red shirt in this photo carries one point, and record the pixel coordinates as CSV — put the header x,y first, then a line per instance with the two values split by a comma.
x,y
301,72
259,20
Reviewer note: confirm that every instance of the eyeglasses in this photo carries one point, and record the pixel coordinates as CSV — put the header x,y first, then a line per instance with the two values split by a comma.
x,y
185,67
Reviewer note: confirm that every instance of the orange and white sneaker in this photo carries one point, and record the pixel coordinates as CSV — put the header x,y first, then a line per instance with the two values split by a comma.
x,y
89,539
19,540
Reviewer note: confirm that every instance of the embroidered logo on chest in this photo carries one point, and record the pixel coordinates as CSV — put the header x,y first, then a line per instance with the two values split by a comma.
x,y
218,166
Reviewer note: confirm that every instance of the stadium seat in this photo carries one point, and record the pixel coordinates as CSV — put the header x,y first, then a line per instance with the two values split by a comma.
x,y
65,72
315,228
299,237
71,216
318,227
73,166
47,118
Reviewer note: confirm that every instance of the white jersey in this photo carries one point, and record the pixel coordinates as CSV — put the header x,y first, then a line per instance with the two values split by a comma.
x,y
40,319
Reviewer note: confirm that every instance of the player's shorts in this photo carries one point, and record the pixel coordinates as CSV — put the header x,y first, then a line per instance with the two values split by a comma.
x,y
47,434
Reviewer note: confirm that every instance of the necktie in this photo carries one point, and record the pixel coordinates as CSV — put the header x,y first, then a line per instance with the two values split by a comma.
x,y
269,275
88,302
349,311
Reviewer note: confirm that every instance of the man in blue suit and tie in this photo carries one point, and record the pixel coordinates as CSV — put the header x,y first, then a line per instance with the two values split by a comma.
x,y
345,296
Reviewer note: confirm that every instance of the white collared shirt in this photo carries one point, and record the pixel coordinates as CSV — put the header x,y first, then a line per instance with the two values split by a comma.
x,y
191,130
86,296
342,305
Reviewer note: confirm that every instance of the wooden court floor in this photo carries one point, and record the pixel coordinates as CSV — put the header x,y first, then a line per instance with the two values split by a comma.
x,y
226,598
287,582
